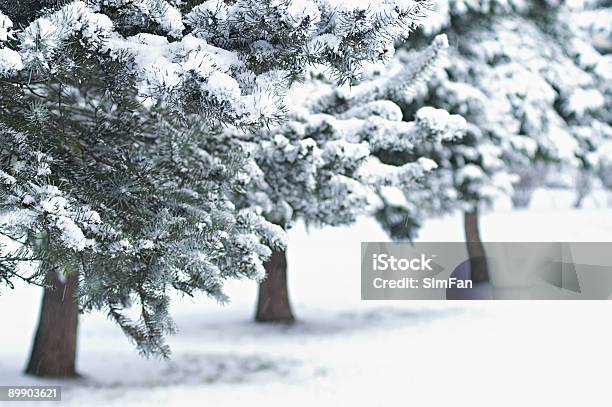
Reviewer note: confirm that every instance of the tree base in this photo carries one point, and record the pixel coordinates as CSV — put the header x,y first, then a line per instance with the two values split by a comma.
x,y
479,269
54,349
275,319
273,302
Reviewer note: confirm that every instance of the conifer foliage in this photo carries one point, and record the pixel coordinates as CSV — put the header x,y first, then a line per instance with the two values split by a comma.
x,y
324,165
114,161
531,81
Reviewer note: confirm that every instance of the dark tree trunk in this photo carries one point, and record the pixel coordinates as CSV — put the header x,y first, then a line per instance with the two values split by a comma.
x,y
478,261
54,350
273,302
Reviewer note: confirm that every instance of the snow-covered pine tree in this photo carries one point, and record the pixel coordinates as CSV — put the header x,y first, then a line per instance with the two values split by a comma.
x,y
528,101
117,183
589,24
321,167
127,198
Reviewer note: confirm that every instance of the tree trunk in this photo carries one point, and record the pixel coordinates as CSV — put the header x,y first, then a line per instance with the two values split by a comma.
x,y
579,200
54,350
584,185
273,302
521,198
478,261
523,190
530,178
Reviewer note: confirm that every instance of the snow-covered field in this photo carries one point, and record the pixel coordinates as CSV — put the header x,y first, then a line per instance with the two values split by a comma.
x,y
345,351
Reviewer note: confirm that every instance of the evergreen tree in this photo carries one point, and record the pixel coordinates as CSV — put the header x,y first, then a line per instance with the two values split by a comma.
x,y
590,24
115,166
322,166
518,79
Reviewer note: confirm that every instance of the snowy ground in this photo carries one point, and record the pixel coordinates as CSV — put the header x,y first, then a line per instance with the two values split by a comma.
x,y
348,352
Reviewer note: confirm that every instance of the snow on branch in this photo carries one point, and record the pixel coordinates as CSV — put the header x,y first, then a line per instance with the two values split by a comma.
x,y
399,84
